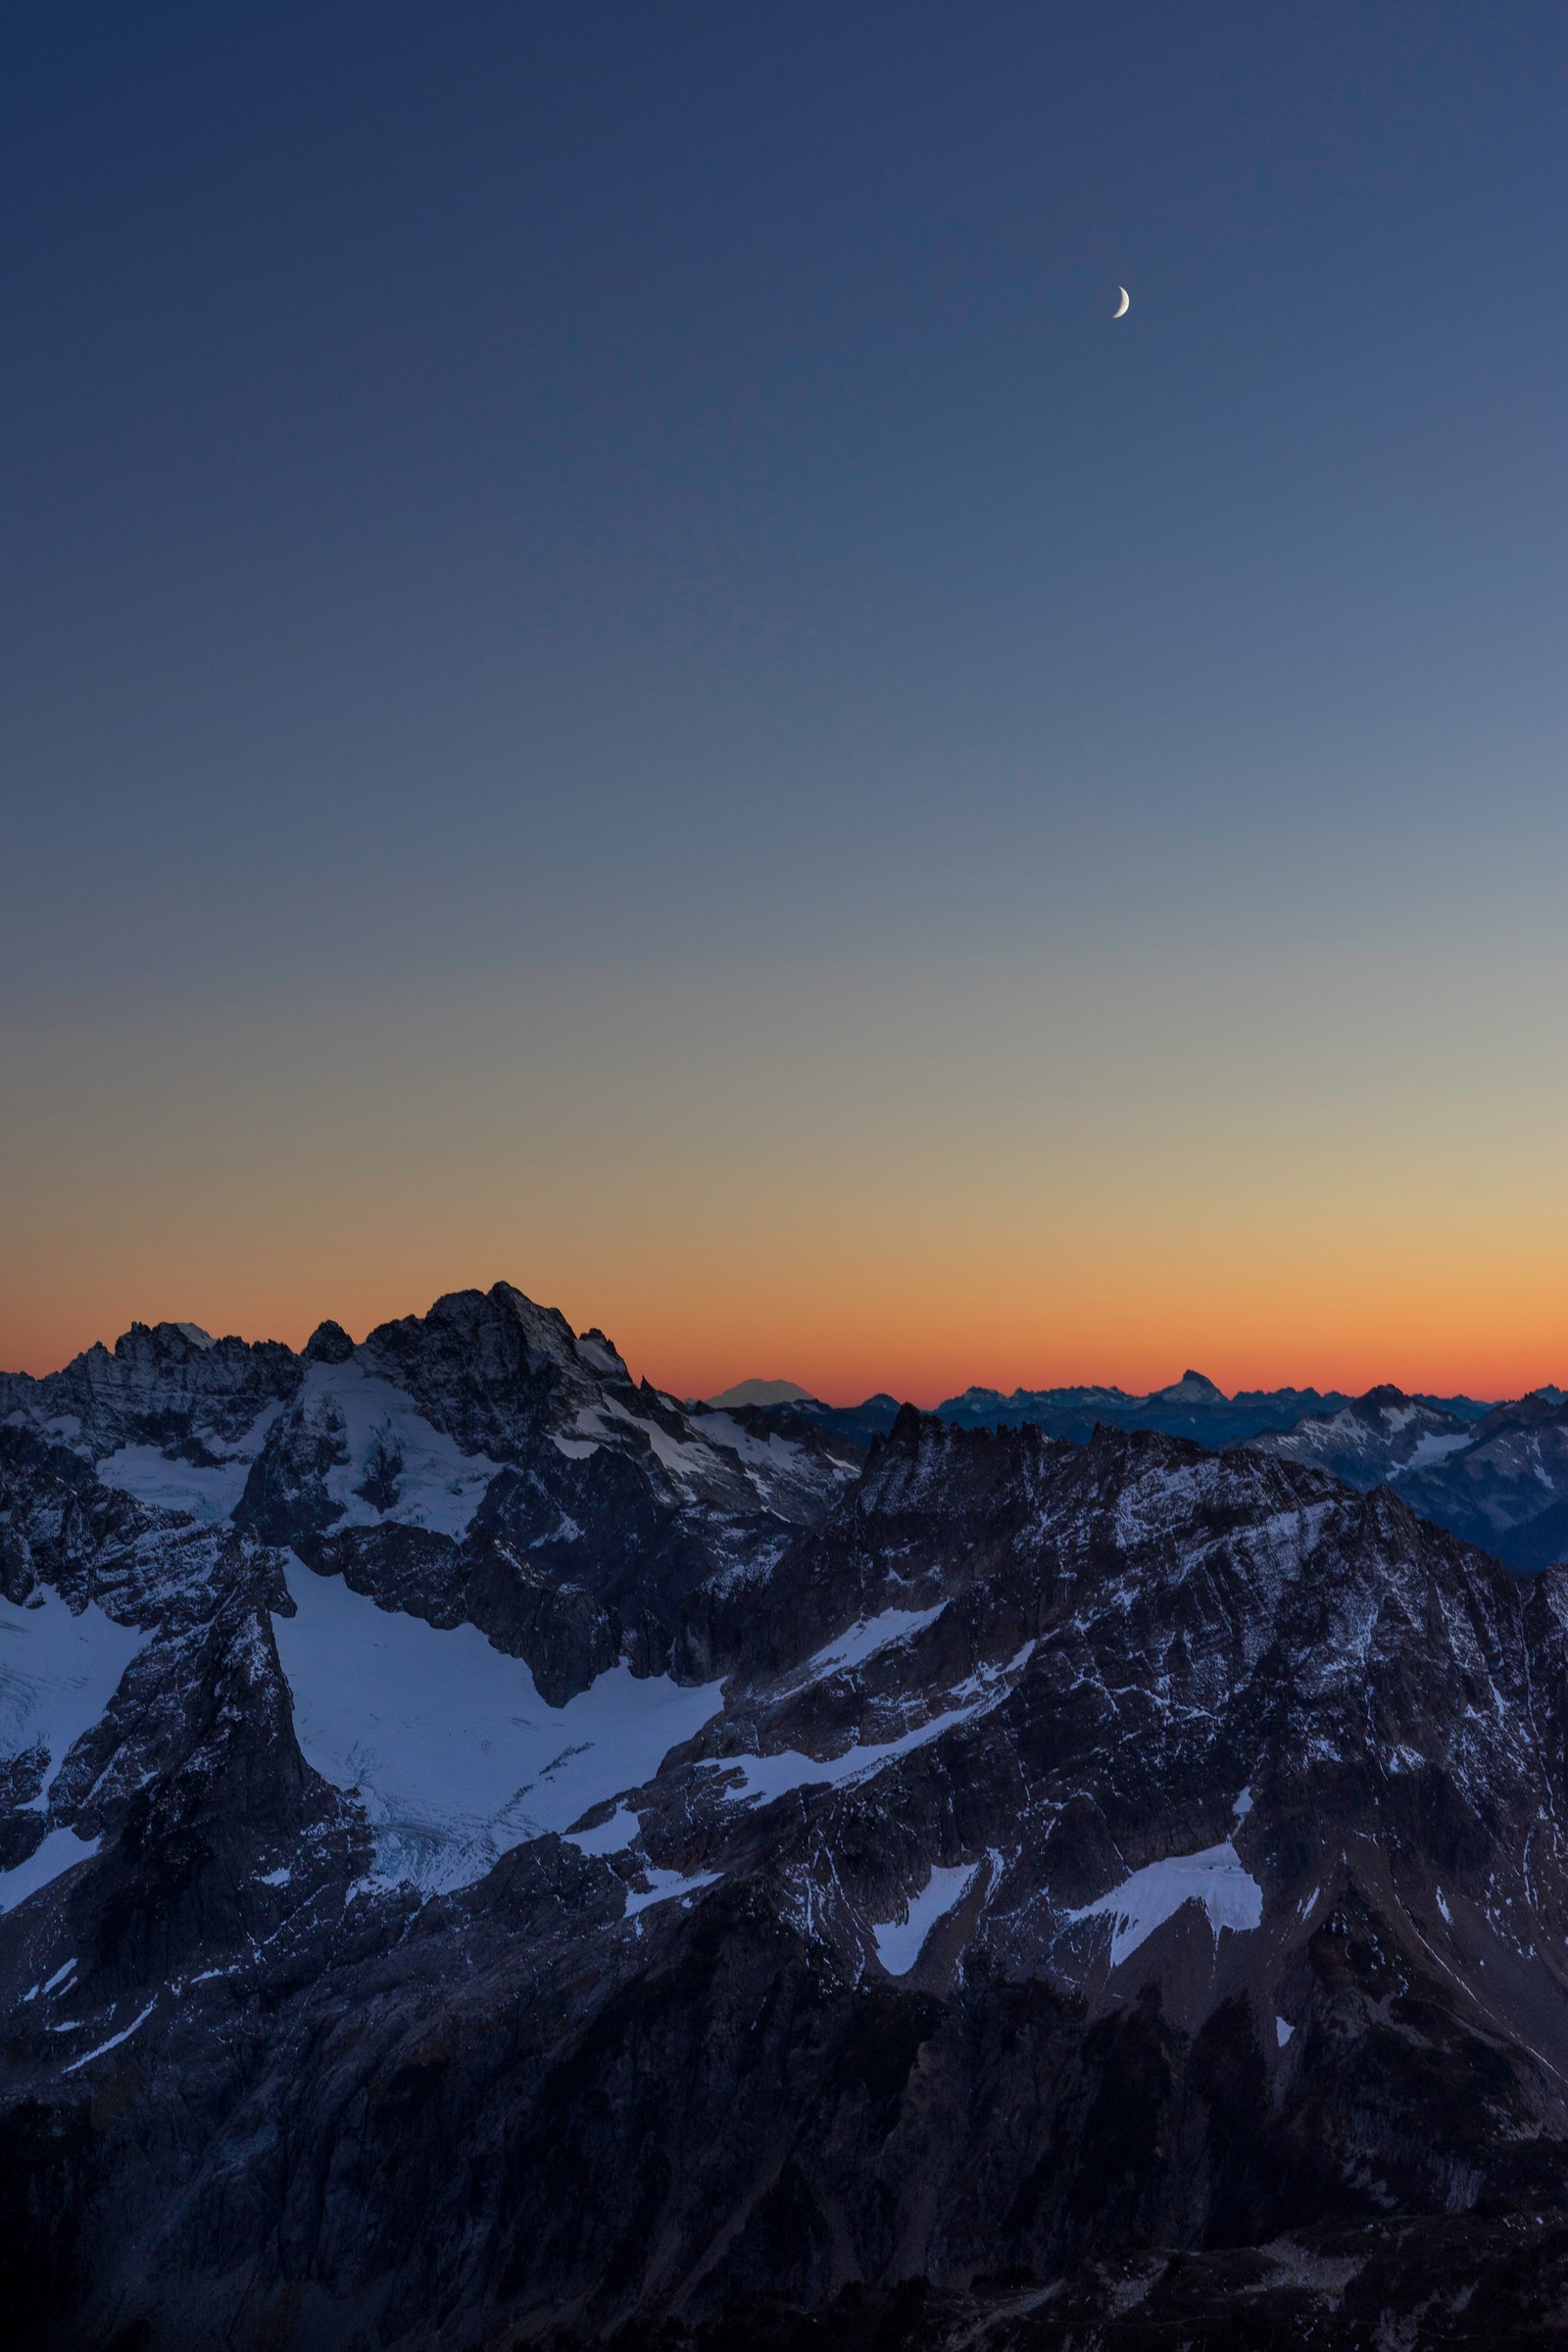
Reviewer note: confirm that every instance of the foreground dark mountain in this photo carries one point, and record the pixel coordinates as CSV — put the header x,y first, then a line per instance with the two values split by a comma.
x,y
1028,1895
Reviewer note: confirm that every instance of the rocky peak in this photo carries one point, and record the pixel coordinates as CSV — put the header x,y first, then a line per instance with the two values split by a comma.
x,y
489,1368
482,1464
1542,1409
1384,1397
1193,1388
602,1354
922,1457
169,1386
329,1344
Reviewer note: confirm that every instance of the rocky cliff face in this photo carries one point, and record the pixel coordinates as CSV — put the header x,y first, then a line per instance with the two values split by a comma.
x,y
1006,1869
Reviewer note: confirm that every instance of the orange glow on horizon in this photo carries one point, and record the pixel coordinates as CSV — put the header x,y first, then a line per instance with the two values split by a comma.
x,y
870,1182
1495,1334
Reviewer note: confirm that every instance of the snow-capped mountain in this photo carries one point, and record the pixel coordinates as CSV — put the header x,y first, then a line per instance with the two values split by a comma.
x,y
1376,1438
1501,1482
478,1464
1010,1867
1193,1406
1507,1489
763,1392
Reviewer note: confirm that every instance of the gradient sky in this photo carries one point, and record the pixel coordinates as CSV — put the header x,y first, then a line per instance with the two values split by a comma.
x,y
612,673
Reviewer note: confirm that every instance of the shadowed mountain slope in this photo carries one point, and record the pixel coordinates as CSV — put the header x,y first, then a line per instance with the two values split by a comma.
x,y
1045,1857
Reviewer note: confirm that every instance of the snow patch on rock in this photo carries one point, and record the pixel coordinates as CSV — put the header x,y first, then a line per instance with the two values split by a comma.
x,y
611,1836
787,1769
1435,1445
58,1673
901,1941
1216,1878
872,1634
58,1854
662,1884
114,2041
453,1754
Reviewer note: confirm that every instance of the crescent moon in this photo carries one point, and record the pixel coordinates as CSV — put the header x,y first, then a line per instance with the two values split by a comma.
x,y
1125,304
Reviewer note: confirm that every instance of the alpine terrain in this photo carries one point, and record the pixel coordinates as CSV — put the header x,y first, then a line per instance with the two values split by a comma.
x,y
1500,1478
491,1856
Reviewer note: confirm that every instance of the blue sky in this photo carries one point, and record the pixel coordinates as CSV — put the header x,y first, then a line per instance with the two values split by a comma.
x,y
505,506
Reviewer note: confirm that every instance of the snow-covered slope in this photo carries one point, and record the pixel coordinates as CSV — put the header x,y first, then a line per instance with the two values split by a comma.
x,y
446,1740
58,1673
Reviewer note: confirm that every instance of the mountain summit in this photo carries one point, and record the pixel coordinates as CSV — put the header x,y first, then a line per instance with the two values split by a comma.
x,y
762,1391
1193,1388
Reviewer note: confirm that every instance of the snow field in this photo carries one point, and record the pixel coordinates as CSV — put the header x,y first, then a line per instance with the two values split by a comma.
x,y
210,1492
901,1941
454,1756
438,1486
60,1849
1216,1878
58,1674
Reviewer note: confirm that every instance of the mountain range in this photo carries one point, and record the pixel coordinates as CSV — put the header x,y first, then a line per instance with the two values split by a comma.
x,y
492,1854
1191,1407
1496,1474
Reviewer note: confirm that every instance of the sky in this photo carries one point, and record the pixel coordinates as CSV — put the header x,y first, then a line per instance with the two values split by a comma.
x,y
613,674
